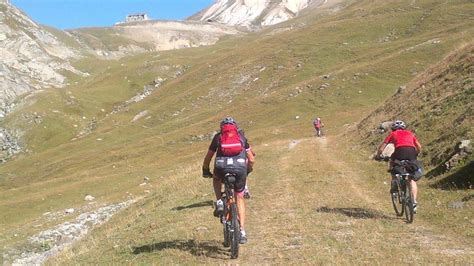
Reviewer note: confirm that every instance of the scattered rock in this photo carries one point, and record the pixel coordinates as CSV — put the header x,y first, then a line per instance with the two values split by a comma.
x,y
89,198
297,117
401,89
385,126
52,241
9,144
146,178
140,115
456,205
324,86
69,211
201,229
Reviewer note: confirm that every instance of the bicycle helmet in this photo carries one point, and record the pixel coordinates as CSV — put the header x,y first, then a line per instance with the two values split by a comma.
x,y
228,120
399,124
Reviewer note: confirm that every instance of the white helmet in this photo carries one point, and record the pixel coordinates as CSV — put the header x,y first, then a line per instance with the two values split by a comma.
x,y
398,124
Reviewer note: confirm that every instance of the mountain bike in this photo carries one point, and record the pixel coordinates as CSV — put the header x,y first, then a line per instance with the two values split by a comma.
x,y
230,218
402,200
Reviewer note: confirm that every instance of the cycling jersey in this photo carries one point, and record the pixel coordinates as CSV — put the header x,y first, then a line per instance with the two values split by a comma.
x,y
401,138
317,124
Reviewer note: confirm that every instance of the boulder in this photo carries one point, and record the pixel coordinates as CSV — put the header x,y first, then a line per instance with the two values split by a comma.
x,y
385,126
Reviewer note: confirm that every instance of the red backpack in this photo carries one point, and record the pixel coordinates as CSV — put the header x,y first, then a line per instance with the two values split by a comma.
x,y
230,142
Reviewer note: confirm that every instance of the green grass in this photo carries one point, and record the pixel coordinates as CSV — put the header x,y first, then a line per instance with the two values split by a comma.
x,y
61,170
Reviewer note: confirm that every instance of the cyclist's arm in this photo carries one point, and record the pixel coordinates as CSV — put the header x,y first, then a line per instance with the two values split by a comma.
x,y
250,158
207,159
417,146
381,148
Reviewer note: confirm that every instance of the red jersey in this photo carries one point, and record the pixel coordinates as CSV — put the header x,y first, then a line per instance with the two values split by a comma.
x,y
401,138
317,123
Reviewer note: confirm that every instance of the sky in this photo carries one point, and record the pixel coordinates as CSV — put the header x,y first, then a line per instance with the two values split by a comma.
x,y
70,14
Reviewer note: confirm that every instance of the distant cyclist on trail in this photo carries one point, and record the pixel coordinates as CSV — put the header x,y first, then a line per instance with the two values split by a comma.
x,y
318,126
407,147
228,140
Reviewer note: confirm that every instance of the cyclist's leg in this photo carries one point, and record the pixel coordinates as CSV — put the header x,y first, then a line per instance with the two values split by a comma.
x,y
241,209
414,189
217,184
239,194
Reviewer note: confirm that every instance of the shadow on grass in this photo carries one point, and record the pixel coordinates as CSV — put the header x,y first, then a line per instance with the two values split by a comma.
x,y
358,213
468,198
211,249
463,178
194,205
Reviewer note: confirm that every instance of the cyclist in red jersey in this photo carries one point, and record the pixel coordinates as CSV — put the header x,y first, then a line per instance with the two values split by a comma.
x,y
407,147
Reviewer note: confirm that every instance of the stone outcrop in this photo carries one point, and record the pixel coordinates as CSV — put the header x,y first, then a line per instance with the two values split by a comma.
x,y
461,151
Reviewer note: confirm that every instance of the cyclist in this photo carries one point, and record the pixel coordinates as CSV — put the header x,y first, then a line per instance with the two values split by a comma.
x,y
407,147
318,125
218,176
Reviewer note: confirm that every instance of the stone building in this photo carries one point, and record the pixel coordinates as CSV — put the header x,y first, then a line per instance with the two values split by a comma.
x,y
136,17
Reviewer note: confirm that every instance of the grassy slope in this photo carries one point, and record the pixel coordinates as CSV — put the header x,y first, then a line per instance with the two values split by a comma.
x,y
438,106
348,45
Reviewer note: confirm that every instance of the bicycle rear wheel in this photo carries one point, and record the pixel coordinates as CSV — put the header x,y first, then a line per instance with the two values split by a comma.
x,y
408,204
225,224
234,232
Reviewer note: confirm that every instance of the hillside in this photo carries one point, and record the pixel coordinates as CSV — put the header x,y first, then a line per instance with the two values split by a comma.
x,y
438,105
133,134
36,57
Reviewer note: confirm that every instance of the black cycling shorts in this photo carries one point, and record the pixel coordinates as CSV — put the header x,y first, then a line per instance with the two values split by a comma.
x,y
404,153
240,179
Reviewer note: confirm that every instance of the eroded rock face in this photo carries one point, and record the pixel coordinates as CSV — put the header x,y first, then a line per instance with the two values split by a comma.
x,y
251,13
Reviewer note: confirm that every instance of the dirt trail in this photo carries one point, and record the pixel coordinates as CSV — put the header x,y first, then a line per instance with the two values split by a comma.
x,y
316,208
311,204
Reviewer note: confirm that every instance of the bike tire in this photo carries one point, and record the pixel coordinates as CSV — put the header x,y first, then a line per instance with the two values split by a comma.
x,y
225,225
408,204
397,202
226,235
234,232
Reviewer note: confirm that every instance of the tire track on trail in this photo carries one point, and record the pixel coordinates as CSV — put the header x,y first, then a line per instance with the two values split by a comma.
x,y
310,204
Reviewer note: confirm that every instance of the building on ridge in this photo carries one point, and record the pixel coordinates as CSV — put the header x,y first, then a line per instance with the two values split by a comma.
x,y
136,17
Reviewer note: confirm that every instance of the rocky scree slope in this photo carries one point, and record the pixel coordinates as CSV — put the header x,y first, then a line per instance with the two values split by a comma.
x,y
438,106
137,37
32,57
253,14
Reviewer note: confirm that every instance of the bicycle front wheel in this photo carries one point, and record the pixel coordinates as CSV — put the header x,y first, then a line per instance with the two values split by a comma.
x,y
234,232
397,201
408,203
